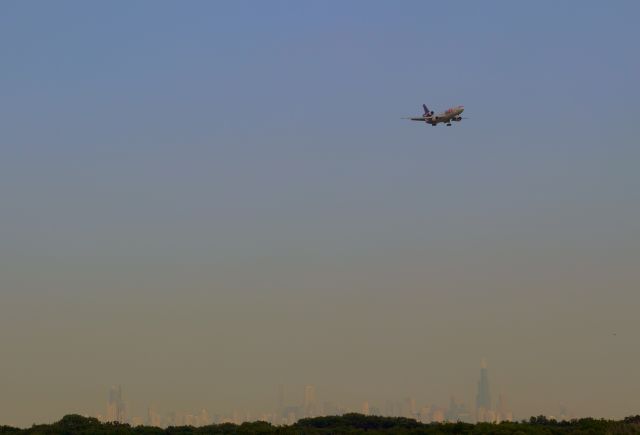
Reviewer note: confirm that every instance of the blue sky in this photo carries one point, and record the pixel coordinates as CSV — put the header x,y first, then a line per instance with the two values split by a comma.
x,y
228,153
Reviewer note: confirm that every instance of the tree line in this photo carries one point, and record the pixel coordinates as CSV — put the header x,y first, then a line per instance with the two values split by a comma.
x,y
345,424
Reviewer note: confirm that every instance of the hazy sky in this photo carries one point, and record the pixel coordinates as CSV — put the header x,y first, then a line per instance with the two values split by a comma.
x,y
203,200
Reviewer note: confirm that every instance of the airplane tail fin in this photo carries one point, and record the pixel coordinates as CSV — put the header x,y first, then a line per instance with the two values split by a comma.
x,y
427,112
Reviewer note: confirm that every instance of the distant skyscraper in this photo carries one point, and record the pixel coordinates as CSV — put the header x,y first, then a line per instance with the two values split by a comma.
x,y
425,414
191,420
564,414
153,418
115,407
329,408
204,418
452,413
457,412
365,408
280,404
483,398
502,412
409,407
437,415
309,401
389,408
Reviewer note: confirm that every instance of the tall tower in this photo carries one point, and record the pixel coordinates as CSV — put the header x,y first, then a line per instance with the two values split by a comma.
x,y
153,418
365,408
280,405
483,398
502,412
309,401
409,407
115,407
204,418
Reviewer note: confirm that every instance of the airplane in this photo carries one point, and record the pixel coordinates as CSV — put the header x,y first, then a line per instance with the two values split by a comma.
x,y
447,116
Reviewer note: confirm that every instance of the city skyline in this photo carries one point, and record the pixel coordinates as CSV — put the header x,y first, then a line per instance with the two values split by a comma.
x,y
288,410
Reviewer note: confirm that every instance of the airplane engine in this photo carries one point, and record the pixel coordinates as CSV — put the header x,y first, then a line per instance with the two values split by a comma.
x,y
458,118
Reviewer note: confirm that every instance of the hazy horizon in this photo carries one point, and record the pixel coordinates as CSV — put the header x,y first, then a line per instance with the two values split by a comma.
x,y
202,201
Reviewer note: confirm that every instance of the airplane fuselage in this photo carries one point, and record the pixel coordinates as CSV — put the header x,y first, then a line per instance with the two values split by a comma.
x,y
452,114
447,116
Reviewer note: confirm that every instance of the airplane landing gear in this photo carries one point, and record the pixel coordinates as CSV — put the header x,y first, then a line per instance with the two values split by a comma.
x,y
449,125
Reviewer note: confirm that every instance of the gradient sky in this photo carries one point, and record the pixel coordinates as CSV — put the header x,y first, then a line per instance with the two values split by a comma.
x,y
203,200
